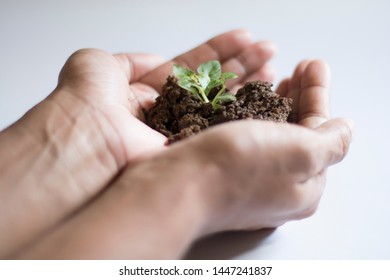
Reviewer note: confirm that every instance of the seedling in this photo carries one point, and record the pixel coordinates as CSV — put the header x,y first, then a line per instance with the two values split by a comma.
x,y
209,76
179,113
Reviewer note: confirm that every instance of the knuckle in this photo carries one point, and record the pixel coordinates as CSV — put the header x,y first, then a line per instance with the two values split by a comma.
x,y
80,59
343,145
242,143
86,52
307,212
233,148
303,157
83,56
78,55
304,199
238,139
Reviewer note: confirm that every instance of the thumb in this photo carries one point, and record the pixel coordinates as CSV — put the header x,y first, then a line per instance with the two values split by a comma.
x,y
136,65
337,135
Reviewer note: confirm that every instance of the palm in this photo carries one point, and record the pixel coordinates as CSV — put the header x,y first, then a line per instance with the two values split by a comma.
x,y
108,89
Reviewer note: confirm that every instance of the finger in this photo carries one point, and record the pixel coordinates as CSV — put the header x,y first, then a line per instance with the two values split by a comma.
x,y
337,135
294,90
282,88
249,62
219,48
266,73
309,154
314,99
145,98
137,65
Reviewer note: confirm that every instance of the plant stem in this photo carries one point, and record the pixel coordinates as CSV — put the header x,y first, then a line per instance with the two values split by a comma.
x,y
215,100
204,96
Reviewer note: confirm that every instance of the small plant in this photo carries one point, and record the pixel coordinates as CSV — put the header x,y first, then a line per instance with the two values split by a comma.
x,y
177,115
209,76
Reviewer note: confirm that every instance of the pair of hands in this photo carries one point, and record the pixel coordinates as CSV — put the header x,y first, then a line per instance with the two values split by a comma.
x,y
101,178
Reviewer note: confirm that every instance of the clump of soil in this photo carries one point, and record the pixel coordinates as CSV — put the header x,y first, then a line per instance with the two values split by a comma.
x,y
179,114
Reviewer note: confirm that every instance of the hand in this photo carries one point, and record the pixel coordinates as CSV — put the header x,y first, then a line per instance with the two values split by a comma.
x,y
117,88
236,176
277,172
70,147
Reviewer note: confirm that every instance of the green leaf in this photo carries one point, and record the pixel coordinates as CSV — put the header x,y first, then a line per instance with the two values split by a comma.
x,y
204,80
227,76
227,97
213,84
182,73
211,69
188,85
209,76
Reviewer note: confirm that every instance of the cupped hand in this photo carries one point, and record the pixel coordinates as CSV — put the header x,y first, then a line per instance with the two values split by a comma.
x,y
272,172
118,88
68,148
243,175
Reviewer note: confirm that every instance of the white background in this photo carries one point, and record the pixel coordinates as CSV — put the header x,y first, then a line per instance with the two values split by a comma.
x,y
353,221
281,269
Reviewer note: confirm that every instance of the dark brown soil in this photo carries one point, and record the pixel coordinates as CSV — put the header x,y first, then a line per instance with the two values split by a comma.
x,y
178,114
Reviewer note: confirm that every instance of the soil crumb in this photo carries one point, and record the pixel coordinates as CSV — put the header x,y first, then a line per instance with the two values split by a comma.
x,y
179,114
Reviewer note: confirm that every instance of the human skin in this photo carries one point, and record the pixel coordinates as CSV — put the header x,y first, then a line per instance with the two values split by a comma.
x,y
84,177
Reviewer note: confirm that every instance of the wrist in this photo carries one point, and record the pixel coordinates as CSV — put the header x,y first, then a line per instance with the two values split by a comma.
x,y
220,184
167,200
158,199
54,159
191,182
172,191
164,199
74,141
